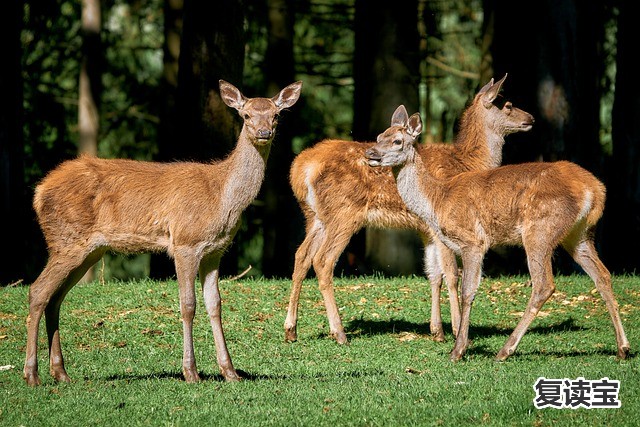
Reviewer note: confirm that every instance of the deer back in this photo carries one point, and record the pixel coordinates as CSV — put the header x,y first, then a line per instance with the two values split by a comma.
x,y
501,205
333,182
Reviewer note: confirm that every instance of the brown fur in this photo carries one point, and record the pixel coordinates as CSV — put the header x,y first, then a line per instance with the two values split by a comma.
x,y
192,211
339,194
536,205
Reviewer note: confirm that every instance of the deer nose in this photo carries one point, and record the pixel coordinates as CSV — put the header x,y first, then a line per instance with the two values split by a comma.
x,y
264,133
372,154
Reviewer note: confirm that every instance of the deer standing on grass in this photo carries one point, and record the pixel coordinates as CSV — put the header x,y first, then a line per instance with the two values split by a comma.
x,y
538,206
339,194
192,211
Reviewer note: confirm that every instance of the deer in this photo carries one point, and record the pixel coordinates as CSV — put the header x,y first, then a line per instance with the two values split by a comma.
x,y
190,210
536,205
339,194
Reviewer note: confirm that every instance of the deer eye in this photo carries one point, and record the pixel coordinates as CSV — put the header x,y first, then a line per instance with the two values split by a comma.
x,y
397,142
247,116
508,107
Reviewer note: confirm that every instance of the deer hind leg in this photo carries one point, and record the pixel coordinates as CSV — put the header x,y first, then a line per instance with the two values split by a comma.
x,y
304,257
46,294
540,269
585,254
324,261
441,261
186,263
209,274
471,277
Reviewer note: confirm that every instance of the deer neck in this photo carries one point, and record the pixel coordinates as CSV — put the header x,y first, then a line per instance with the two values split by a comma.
x,y
418,189
480,147
244,174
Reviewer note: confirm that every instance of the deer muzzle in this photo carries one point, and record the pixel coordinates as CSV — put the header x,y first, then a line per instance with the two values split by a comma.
x,y
373,157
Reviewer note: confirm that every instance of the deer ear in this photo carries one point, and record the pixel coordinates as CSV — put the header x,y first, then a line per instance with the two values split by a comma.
x,y
400,116
492,91
414,126
288,96
231,95
486,87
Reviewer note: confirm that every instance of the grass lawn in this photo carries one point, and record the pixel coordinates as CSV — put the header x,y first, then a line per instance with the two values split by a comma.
x,y
122,343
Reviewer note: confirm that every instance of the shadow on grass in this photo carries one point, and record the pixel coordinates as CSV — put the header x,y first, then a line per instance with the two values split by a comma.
x,y
485,351
368,327
246,376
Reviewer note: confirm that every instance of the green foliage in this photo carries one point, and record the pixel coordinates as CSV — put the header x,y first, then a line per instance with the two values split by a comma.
x,y
132,100
450,66
123,346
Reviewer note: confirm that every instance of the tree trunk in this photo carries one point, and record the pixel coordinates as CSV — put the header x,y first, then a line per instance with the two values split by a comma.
x,y
90,79
280,231
14,205
386,74
89,87
622,217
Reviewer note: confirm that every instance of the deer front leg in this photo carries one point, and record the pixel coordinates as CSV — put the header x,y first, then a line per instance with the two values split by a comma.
x,y
434,275
213,303
186,268
471,276
441,261
450,268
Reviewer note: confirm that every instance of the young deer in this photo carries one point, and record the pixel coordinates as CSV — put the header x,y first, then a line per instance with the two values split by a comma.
x,y
539,206
339,194
192,211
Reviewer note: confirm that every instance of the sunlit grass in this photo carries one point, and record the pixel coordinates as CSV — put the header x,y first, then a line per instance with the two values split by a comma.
x,y
122,343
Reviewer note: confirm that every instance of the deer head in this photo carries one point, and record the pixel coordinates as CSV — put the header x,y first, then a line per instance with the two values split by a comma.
x,y
392,144
260,115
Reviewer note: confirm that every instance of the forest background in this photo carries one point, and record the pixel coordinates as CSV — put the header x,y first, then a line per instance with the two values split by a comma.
x,y
139,79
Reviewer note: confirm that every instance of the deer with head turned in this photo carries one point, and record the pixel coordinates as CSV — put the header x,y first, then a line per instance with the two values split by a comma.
x,y
339,194
538,206
190,210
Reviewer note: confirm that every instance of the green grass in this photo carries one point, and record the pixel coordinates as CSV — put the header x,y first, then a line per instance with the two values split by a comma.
x,y
122,343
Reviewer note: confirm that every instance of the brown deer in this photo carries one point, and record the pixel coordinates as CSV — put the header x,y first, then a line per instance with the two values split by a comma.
x,y
339,194
538,206
192,211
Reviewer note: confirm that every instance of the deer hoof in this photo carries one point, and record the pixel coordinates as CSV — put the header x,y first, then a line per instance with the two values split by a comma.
x,y
191,376
341,337
438,336
61,377
231,376
456,355
33,380
623,353
290,335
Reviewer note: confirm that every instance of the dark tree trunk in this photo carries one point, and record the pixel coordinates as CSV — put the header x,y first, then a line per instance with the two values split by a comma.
x,y
90,85
14,204
622,216
280,223
386,74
